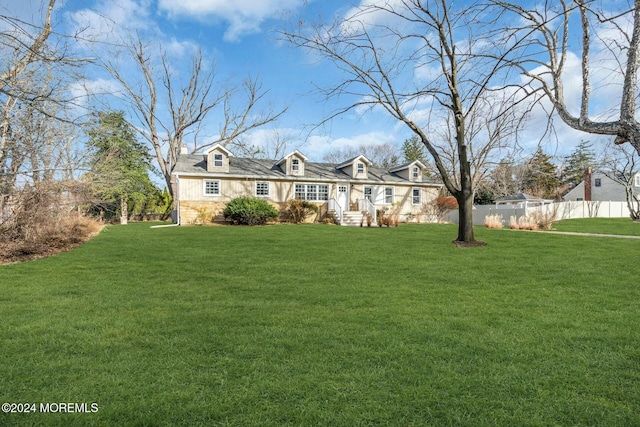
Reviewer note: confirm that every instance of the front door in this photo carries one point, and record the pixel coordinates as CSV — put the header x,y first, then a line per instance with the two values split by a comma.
x,y
343,197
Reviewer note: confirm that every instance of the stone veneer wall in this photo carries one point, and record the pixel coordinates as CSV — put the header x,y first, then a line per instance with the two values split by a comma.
x,y
190,212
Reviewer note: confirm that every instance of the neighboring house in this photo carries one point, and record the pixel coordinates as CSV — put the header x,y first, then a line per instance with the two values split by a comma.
x,y
598,186
521,200
206,182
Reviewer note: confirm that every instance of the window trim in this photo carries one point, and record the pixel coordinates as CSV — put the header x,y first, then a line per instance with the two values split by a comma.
x,y
215,160
204,188
370,195
268,184
317,191
413,197
393,195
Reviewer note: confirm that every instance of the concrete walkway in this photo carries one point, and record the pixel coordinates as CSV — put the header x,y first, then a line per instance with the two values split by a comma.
x,y
572,233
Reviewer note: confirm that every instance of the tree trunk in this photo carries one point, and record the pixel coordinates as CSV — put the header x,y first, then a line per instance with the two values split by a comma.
x,y
123,210
465,205
465,221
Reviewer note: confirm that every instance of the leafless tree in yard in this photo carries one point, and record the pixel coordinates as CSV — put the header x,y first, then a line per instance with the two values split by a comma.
x,y
603,44
36,130
412,56
622,164
189,105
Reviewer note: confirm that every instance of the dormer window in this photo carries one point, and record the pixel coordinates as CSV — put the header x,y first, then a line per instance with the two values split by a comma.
x,y
360,168
416,172
637,180
217,158
295,165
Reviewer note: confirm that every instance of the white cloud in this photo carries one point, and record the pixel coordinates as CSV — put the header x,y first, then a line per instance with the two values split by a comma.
x,y
242,16
318,146
111,20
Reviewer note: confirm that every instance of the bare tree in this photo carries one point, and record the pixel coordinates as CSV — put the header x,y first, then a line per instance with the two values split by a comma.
x,y
382,47
609,43
27,49
36,130
384,155
274,144
189,105
622,164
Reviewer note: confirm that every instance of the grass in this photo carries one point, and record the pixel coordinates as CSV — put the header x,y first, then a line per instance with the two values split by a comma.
x,y
623,226
321,325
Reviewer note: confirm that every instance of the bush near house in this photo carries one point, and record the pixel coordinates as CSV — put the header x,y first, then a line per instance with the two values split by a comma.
x,y
299,210
248,210
439,207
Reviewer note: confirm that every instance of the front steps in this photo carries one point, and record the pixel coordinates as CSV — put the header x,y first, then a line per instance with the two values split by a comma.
x,y
353,219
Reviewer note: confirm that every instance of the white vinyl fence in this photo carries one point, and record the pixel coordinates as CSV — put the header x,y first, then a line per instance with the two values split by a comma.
x,y
564,210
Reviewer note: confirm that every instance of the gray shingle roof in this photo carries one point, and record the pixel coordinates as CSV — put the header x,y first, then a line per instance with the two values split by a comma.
x,y
194,164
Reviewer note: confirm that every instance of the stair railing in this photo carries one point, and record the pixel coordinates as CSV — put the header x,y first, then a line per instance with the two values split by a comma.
x,y
365,205
336,208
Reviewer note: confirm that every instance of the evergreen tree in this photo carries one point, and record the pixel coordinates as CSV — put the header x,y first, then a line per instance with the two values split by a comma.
x,y
540,176
413,149
120,165
577,162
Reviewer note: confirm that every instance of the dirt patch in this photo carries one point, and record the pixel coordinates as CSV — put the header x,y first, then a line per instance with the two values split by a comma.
x,y
62,238
472,244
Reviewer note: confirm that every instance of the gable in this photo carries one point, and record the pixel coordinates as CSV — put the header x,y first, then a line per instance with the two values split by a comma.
x,y
293,163
356,168
217,158
410,171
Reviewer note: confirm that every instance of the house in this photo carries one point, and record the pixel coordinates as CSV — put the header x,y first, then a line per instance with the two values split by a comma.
x,y
521,200
206,182
598,186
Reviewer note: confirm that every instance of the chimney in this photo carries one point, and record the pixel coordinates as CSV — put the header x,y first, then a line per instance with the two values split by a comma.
x,y
587,185
184,149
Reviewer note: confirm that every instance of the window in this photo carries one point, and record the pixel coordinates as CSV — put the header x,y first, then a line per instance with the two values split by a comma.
x,y
637,180
217,160
262,189
211,188
360,168
416,196
598,182
368,193
312,192
416,173
388,195
295,165
323,192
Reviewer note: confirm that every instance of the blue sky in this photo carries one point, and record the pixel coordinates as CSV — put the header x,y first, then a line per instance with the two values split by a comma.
x,y
240,35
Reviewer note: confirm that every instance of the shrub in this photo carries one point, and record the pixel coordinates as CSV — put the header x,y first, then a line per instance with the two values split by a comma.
x,y
299,210
522,223
203,216
439,207
544,220
248,210
493,221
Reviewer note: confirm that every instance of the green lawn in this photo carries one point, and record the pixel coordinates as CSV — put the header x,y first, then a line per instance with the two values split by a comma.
x,y
600,226
322,325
